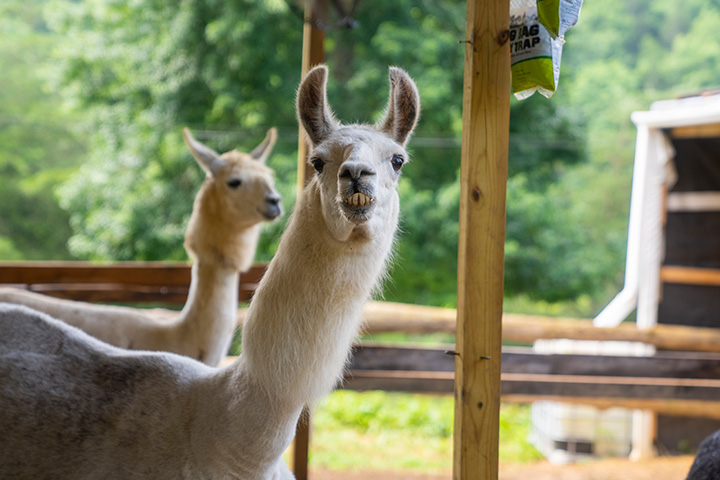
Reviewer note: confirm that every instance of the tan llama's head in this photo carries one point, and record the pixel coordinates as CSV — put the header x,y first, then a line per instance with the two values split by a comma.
x,y
242,185
357,167
237,195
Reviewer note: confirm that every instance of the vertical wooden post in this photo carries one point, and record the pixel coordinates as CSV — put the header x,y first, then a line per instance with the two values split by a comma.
x,y
301,446
313,53
486,118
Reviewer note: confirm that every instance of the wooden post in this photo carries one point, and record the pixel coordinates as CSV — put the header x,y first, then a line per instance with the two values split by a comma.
x,y
486,118
313,53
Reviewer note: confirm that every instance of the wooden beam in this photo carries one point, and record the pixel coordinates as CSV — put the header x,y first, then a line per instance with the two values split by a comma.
x,y
610,387
708,130
398,317
523,360
679,384
682,408
141,273
690,275
483,184
147,273
313,53
119,282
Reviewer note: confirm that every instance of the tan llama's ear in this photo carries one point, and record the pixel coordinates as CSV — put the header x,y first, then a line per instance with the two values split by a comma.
x,y
313,111
403,108
208,158
262,151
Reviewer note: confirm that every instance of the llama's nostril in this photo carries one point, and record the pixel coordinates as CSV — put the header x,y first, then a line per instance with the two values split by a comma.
x,y
356,170
273,200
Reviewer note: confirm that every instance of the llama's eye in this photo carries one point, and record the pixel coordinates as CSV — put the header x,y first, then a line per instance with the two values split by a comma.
x,y
397,162
317,164
234,183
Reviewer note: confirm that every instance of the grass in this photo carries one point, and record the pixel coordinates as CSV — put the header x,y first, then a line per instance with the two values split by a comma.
x,y
409,432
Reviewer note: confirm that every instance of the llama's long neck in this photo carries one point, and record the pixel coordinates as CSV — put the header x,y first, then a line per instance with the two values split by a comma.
x,y
307,310
296,339
210,312
220,249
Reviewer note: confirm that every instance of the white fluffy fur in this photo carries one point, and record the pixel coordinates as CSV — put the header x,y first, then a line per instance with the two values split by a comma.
x,y
74,407
221,238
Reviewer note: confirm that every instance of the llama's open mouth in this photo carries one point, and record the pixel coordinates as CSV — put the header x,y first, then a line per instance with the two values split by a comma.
x,y
358,206
359,200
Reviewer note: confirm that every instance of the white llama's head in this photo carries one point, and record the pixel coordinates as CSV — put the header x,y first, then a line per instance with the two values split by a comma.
x,y
242,185
357,167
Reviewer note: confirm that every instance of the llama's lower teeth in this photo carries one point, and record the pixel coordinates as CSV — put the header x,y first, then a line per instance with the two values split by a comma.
x,y
358,200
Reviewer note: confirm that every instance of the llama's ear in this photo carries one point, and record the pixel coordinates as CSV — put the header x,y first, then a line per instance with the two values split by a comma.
x,y
403,108
313,111
262,151
208,158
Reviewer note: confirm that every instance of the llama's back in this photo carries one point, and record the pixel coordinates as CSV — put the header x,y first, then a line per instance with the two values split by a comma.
x,y
120,326
74,407
707,462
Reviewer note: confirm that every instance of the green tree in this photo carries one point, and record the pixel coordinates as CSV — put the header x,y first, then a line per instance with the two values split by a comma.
x,y
154,67
141,71
38,148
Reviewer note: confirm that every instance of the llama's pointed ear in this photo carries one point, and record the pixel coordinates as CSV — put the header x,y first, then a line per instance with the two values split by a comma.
x,y
403,108
313,111
262,151
208,158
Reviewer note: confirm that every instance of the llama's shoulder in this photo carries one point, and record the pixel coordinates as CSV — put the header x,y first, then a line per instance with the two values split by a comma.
x,y
62,390
42,343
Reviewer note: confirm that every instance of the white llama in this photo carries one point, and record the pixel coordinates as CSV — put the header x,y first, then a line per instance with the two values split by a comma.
x,y
238,194
74,407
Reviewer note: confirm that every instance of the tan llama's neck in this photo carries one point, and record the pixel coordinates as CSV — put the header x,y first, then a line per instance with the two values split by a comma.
x,y
209,316
220,249
213,237
306,311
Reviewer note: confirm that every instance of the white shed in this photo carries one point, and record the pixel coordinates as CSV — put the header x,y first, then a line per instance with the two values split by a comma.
x,y
672,272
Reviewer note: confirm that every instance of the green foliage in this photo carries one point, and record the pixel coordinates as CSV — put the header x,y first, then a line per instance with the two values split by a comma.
x,y
376,411
37,146
134,73
141,71
403,431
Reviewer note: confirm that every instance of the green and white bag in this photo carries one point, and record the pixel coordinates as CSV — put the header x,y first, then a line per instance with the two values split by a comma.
x,y
536,40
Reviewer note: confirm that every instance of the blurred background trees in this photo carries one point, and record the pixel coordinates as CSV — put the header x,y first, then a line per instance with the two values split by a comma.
x,y
94,93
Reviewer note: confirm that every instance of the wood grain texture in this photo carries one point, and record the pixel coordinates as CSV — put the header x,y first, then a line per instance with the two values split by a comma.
x,y
708,130
483,183
313,53
117,282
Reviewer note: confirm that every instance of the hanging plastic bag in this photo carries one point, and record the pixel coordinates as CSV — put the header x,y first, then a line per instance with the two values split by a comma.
x,y
536,40
557,16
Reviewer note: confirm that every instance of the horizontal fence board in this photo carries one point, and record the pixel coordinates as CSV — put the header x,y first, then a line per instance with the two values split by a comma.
x,y
682,384
524,360
397,317
610,387
120,282
140,273
616,380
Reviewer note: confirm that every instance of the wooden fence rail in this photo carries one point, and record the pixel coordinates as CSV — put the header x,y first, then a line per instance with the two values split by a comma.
x,y
118,282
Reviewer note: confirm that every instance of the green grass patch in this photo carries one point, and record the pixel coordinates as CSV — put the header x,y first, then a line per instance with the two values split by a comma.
x,y
395,431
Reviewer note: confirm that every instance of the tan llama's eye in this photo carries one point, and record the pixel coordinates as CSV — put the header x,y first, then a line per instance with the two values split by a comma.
x,y
317,164
397,162
234,183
